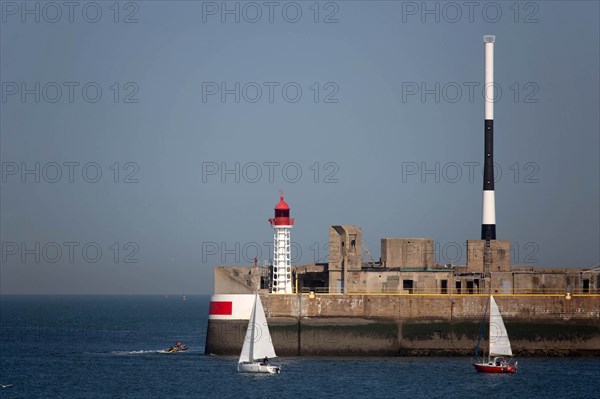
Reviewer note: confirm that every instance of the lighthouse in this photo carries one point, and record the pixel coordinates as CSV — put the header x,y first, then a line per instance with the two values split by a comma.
x,y
282,252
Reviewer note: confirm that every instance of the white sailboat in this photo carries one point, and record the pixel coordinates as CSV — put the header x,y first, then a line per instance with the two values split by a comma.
x,y
499,345
257,348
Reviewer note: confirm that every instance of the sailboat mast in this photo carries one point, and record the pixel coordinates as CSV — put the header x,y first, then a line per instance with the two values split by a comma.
x,y
253,329
481,328
490,328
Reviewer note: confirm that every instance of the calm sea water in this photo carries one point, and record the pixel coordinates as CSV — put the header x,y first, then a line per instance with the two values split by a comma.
x,y
106,347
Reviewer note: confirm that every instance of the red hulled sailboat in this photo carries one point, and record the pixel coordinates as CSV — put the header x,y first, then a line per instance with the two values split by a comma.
x,y
499,357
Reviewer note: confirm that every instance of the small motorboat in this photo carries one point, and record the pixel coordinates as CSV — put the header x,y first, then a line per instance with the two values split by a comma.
x,y
176,348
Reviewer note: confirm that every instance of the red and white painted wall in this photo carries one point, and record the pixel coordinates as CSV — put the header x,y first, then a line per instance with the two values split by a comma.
x,y
230,306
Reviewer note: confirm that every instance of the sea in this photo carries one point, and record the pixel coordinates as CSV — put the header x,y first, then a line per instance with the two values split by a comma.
x,y
110,347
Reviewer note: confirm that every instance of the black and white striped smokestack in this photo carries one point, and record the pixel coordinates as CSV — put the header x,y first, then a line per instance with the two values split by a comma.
x,y
488,225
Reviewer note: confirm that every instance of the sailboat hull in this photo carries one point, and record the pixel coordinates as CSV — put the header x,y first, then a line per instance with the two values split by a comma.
x,y
258,368
491,368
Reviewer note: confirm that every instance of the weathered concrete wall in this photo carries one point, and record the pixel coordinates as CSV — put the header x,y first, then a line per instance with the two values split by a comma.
x,y
499,251
522,280
236,279
554,280
434,307
502,283
345,247
407,253
384,337
416,325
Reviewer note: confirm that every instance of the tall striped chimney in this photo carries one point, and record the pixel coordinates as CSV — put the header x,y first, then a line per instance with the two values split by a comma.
x,y
488,225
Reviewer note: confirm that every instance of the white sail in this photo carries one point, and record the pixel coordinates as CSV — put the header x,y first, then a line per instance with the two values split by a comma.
x,y
247,346
499,343
257,343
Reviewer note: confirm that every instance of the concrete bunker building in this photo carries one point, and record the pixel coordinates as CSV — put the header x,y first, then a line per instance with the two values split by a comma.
x,y
407,266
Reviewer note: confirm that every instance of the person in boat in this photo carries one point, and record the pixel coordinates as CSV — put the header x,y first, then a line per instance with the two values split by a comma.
x,y
265,361
177,344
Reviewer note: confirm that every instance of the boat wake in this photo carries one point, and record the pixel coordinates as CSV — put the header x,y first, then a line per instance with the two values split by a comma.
x,y
139,352
149,352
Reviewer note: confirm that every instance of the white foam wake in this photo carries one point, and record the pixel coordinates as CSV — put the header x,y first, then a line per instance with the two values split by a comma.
x,y
140,352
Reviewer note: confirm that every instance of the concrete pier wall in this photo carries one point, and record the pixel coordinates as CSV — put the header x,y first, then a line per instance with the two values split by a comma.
x,y
434,307
416,325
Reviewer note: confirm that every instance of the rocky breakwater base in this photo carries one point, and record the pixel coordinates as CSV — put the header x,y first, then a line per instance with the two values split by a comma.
x,y
416,325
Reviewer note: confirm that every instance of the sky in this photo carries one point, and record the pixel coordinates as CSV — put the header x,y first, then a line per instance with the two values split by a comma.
x,y
144,143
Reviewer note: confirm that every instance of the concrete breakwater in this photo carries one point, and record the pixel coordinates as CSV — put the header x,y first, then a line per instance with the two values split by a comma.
x,y
416,325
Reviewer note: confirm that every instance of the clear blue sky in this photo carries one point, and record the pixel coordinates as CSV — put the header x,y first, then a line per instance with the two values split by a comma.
x,y
385,96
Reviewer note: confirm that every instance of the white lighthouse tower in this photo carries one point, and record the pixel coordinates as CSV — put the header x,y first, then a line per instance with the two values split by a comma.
x,y
282,254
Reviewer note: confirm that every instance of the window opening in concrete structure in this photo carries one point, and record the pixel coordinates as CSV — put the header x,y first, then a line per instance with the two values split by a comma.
x,y
408,285
458,287
444,286
470,287
586,286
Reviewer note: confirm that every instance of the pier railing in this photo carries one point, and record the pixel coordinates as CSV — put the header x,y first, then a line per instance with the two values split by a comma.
x,y
454,291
